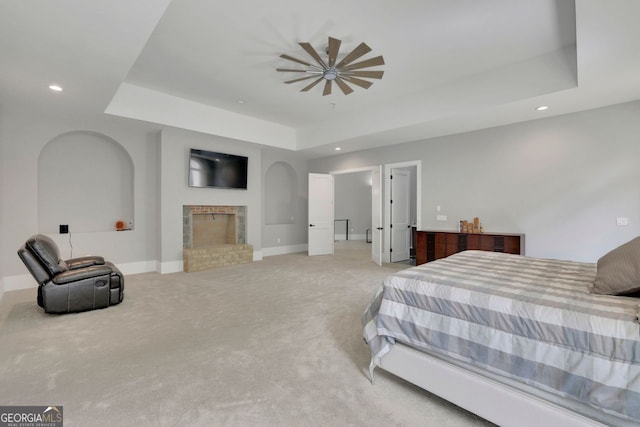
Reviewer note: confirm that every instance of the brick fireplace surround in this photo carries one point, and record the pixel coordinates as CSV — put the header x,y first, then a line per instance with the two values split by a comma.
x,y
214,236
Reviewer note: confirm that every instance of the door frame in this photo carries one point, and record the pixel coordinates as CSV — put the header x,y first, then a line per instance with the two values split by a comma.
x,y
386,198
364,169
386,253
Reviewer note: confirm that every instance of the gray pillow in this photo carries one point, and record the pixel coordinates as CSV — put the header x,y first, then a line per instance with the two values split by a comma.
x,y
619,270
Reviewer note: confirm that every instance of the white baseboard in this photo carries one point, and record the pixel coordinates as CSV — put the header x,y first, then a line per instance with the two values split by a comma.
x,y
21,281
283,250
26,281
170,267
137,267
351,237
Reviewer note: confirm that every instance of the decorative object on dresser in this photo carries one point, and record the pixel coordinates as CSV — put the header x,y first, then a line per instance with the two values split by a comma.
x,y
433,245
474,226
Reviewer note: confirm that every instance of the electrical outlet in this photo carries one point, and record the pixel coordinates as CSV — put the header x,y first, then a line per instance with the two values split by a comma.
x,y
622,221
64,228
441,217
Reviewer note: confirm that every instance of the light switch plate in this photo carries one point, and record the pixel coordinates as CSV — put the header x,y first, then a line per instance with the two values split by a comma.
x,y
622,221
441,217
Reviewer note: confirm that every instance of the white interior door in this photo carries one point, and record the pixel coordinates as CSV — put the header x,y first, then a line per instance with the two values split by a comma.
x,y
321,214
376,215
400,215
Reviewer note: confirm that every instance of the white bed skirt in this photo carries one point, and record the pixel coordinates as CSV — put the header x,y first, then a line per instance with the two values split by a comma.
x,y
495,401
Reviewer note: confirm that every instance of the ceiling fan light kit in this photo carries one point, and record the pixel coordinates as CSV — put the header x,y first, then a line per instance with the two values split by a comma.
x,y
343,72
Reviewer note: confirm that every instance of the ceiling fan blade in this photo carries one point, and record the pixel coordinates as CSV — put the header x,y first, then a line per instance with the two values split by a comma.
x,y
367,74
291,58
291,69
300,79
327,88
334,48
359,82
306,88
356,53
311,51
372,62
343,86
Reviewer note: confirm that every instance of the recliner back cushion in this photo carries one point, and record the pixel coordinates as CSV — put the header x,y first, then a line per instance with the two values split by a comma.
x,y
33,265
46,251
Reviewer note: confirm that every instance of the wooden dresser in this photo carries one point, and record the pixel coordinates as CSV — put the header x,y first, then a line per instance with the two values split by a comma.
x,y
432,245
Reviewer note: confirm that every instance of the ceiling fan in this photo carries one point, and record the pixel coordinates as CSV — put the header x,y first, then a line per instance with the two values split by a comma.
x,y
343,72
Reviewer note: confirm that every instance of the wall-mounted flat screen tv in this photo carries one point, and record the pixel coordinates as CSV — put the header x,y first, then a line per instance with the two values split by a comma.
x,y
217,170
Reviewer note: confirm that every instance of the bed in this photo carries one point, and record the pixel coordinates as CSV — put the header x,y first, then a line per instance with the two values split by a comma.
x,y
516,340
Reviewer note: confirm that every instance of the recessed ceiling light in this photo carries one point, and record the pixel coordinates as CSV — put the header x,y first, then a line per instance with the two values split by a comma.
x,y
241,101
55,88
338,148
542,108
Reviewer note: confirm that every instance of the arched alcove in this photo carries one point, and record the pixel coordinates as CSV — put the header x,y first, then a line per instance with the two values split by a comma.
x,y
85,180
281,184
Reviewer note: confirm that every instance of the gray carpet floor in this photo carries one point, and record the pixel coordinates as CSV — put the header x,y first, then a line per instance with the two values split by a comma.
x,y
272,343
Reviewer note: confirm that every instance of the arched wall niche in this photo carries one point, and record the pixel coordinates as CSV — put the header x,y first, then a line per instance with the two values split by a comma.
x,y
85,180
281,186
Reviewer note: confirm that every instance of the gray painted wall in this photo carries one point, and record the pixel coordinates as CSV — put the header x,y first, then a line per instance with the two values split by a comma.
x,y
175,192
23,138
562,180
159,162
84,158
287,236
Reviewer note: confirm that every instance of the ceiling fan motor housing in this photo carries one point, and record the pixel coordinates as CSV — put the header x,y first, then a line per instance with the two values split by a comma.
x,y
330,74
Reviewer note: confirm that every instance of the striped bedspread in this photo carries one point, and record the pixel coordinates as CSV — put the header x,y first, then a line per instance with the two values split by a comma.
x,y
525,318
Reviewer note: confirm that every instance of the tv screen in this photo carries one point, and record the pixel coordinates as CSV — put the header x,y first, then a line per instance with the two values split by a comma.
x,y
217,170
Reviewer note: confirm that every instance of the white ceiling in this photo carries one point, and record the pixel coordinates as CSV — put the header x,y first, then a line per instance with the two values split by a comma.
x,y
450,66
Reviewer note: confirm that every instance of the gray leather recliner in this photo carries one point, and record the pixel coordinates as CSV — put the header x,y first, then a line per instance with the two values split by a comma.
x,y
77,284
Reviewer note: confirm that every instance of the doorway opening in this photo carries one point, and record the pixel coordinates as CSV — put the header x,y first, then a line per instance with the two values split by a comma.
x,y
381,219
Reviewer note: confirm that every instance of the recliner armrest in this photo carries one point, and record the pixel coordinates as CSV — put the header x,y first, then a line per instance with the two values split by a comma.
x,y
85,261
80,274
